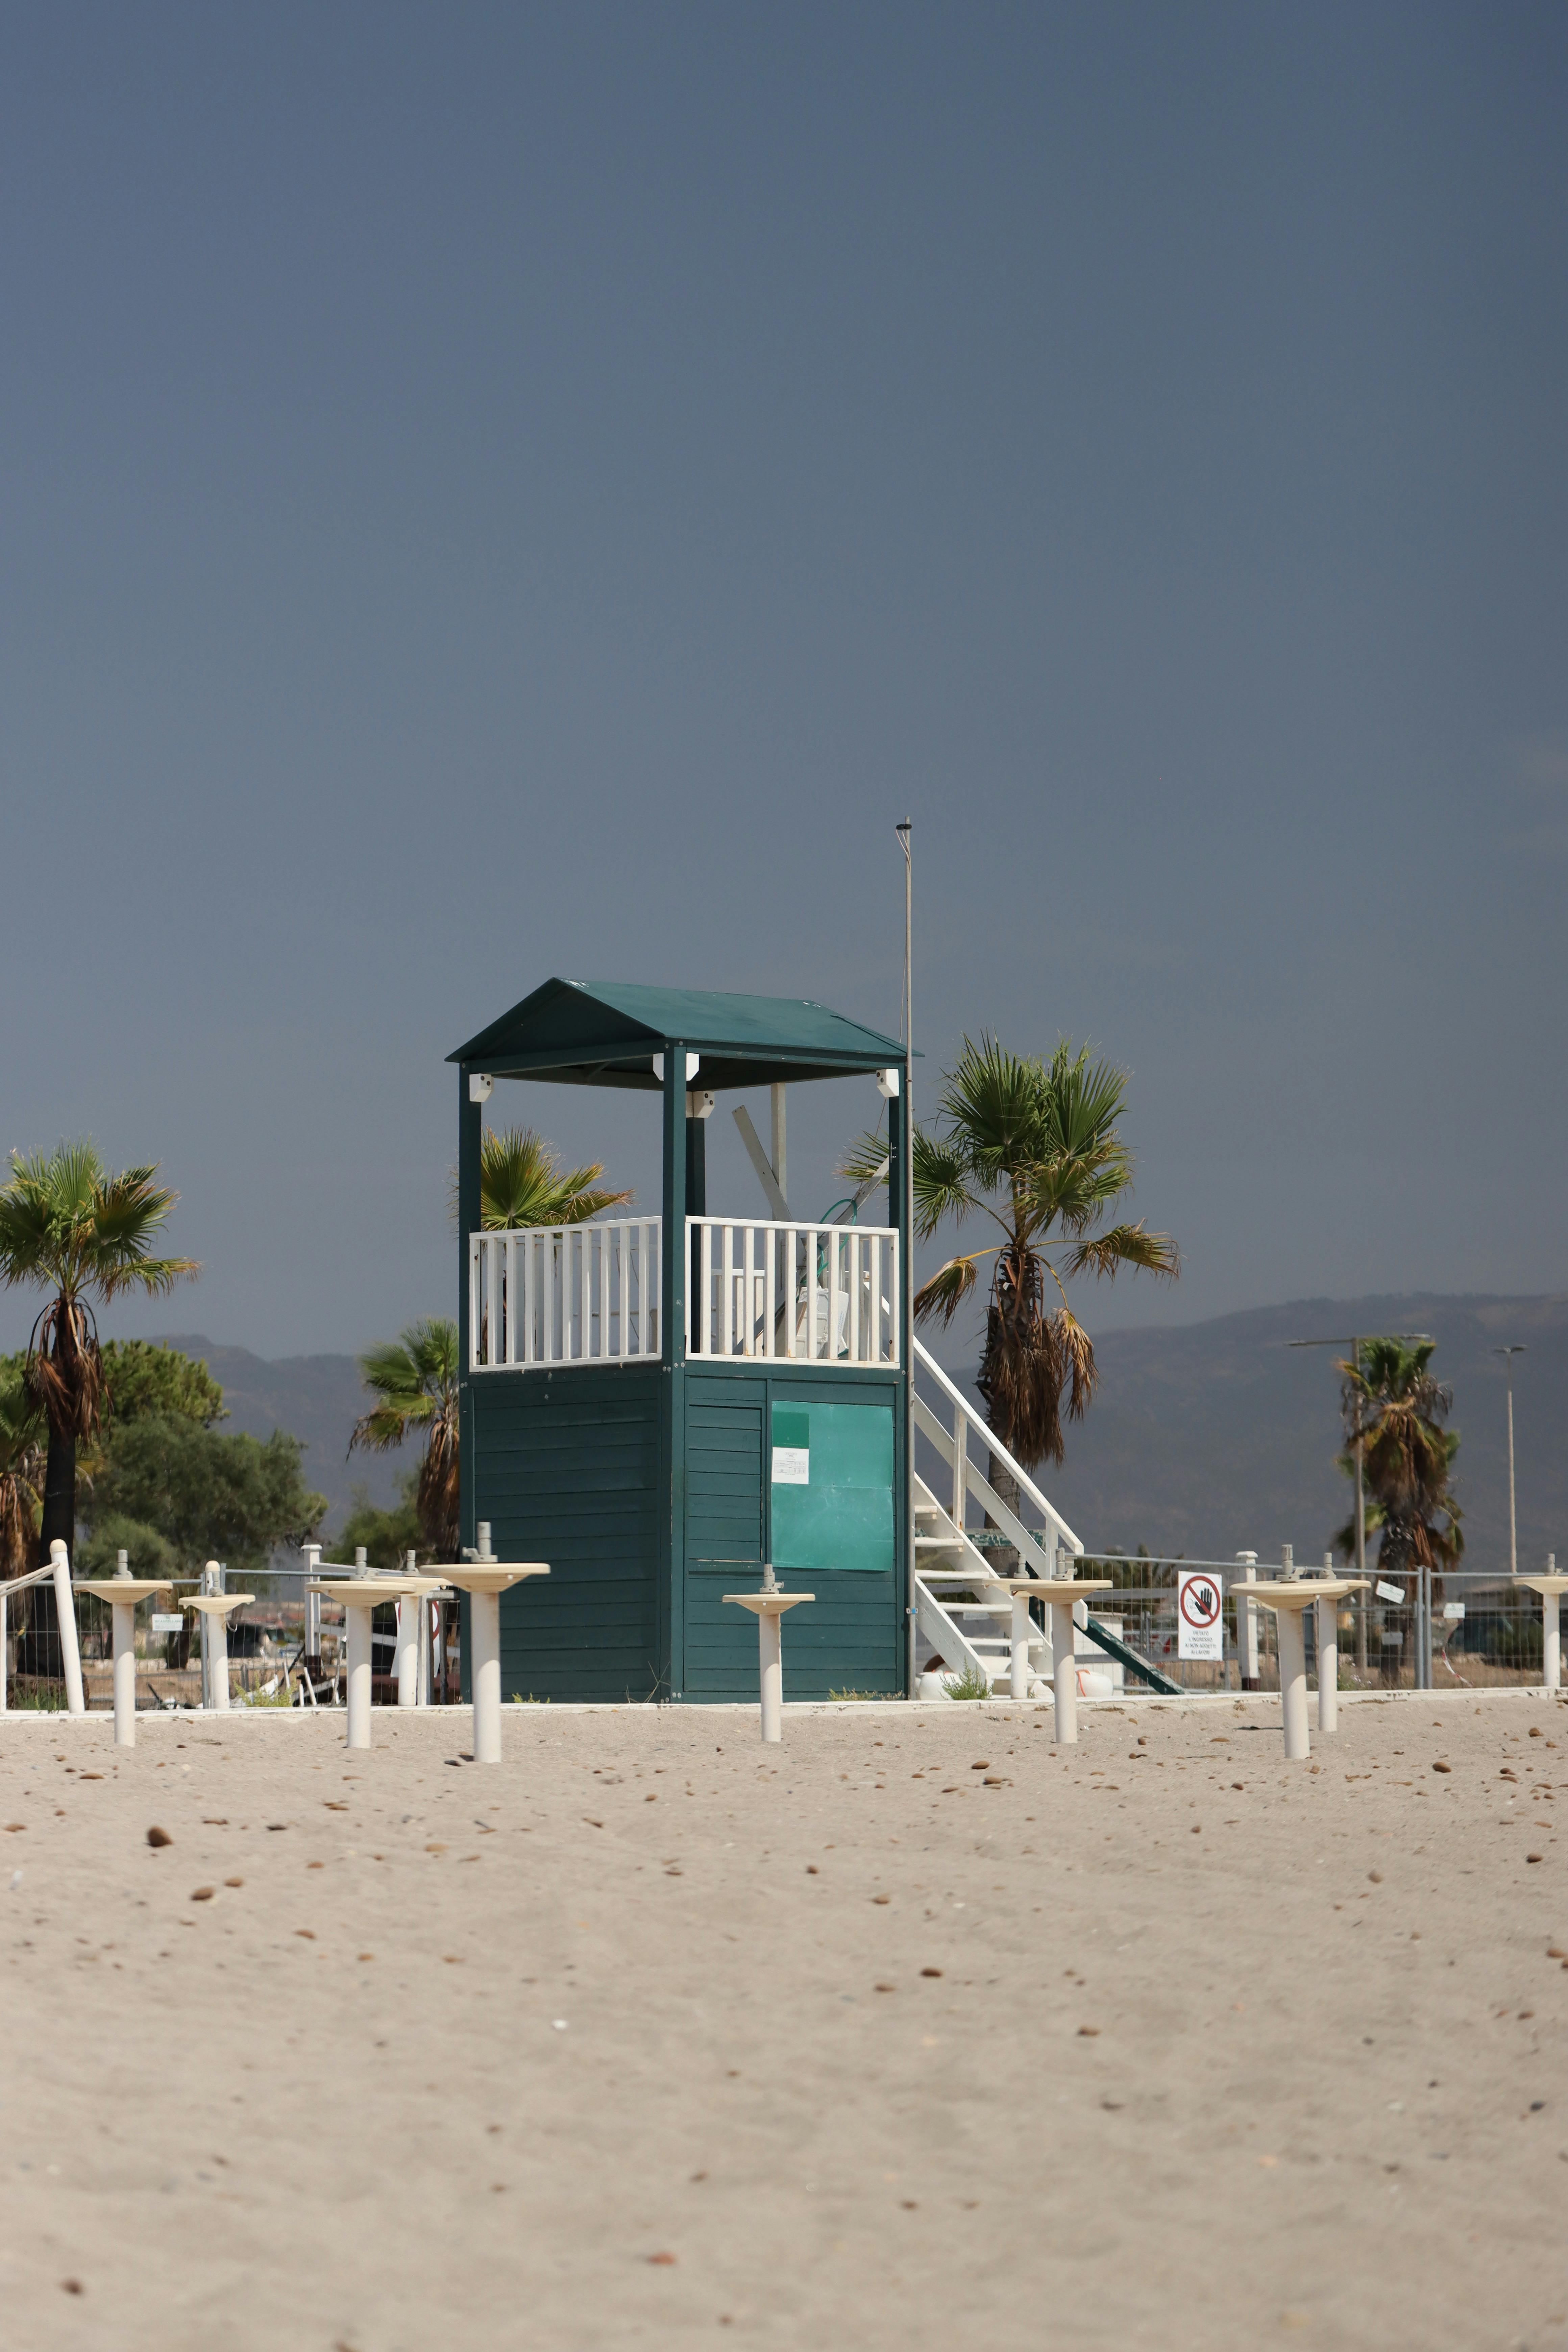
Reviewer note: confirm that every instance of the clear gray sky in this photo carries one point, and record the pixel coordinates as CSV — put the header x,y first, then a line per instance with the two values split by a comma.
x,y
496,491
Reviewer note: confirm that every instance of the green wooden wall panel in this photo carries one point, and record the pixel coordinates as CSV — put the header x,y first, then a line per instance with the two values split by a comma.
x,y
566,1470
723,1474
848,1638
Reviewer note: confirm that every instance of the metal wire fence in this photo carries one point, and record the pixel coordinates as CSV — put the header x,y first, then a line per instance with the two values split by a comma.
x,y
1472,1629
286,1648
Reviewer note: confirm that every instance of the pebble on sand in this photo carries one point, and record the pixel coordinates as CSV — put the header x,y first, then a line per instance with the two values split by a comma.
x,y
159,1837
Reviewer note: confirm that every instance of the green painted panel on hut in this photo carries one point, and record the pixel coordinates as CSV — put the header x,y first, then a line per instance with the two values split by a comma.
x,y
832,1486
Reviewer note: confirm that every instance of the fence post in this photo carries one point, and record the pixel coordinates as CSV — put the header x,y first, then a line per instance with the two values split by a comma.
x,y
1427,1625
65,1608
217,1657
312,1644
208,1584
1328,1657
1551,1634
408,1611
1247,1625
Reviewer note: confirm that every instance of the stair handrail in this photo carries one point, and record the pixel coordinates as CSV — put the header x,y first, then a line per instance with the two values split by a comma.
x,y
1026,1486
1036,1560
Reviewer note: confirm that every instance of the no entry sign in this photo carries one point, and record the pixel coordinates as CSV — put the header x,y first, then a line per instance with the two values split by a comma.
x,y
1200,1625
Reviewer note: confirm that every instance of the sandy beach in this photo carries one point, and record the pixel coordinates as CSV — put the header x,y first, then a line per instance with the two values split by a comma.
x,y
917,2030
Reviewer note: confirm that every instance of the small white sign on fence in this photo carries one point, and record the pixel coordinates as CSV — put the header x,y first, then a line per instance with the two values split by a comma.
x,y
1387,1591
1199,1620
171,1622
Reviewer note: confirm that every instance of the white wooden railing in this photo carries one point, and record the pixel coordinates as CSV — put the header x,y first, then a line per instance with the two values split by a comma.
x,y
818,1294
948,1429
565,1295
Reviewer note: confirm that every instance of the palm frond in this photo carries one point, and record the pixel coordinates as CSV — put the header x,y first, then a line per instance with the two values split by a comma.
x,y
520,1183
1085,1099
414,1380
994,1110
1072,1189
1033,1364
1396,1407
1135,1246
863,1160
383,1428
948,1288
940,1183
1074,1355
23,1431
67,1224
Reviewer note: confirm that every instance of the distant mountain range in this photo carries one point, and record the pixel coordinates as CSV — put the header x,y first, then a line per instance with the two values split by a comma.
x,y
317,1398
1212,1438
1205,1438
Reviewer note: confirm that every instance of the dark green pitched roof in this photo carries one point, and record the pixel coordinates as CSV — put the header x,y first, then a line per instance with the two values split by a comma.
x,y
605,1032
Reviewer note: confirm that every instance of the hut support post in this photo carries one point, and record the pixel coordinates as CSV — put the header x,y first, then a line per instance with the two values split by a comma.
x,y
672,1352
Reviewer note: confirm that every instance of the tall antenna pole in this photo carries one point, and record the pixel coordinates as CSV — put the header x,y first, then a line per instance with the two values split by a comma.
x,y
1507,1355
904,830
1359,1520
1512,1523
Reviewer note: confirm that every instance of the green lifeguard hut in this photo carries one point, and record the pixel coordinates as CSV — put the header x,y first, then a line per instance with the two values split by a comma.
x,y
649,1400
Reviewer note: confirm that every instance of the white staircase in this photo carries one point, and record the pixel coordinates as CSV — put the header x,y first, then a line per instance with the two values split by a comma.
x,y
962,1610
962,1607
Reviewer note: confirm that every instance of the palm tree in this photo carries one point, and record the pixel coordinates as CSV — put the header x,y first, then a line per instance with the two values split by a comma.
x,y
1392,1402
414,1380
84,1235
1034,1146
21,1468
520,1183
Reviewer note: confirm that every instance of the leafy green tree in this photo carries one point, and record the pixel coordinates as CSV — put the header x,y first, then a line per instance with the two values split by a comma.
x,y
207,1496
22,1427
147,1552
414,1380
1392,1400
521,1183
388,1537
70,1228
1036,1146
141,1376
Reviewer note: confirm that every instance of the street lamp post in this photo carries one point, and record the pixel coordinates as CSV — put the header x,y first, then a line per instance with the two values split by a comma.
x,y
1507,1355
